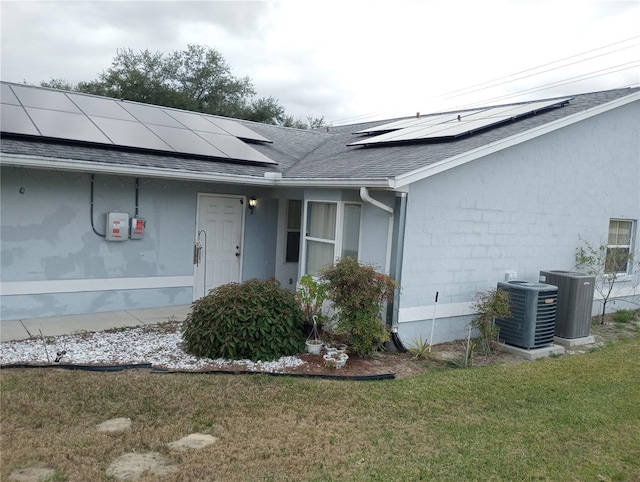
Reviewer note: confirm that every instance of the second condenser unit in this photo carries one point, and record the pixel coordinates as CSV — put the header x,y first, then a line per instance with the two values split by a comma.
x,y
575,301
533,314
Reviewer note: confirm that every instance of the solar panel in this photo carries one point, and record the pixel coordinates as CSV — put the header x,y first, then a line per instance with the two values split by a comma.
x,y
183,140
467,124
150,114
234,147
7,96
14,119
416,122
194,121
56,114
236,129
100,106
130,134
44,99
66,125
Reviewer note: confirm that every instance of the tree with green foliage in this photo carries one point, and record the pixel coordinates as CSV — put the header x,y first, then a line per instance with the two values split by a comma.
x,y
197,79
606,266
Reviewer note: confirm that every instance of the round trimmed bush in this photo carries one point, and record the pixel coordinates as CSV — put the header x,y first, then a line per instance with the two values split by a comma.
x,y
255,320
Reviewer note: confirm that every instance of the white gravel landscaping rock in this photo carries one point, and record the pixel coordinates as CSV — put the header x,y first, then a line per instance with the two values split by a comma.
x,y
131,346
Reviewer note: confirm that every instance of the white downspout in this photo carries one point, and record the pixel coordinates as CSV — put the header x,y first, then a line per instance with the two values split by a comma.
x,y
364,195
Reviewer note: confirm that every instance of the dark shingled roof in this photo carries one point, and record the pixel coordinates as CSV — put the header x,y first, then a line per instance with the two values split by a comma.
x,y
315,154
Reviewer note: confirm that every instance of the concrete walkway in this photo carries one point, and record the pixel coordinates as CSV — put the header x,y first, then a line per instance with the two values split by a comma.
x,y
64,325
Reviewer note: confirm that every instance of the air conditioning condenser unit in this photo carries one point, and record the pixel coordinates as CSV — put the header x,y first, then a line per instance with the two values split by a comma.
x,y
533,314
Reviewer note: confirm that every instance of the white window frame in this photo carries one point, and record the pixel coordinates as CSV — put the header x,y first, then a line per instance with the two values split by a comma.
x,y
337,242
629,246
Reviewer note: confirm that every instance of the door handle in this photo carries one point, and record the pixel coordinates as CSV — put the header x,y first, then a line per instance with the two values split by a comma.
x,y
238,251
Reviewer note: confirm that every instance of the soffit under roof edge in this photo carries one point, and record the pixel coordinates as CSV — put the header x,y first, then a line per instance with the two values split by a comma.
x,y
383,183
119,169
20,160
449,163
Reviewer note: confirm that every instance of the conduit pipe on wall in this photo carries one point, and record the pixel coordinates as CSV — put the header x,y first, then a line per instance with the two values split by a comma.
x,y
93,176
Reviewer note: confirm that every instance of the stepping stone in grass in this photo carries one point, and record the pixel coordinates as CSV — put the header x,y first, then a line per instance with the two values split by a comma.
x,y
131,466
31,474
115,425
193,441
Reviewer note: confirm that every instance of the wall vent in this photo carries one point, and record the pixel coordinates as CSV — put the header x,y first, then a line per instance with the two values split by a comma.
x,y
533,314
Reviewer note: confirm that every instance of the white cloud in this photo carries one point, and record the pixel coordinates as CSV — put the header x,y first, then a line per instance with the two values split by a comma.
x,y
339,59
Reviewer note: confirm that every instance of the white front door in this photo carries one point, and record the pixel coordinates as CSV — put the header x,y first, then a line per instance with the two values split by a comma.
x,y
219,236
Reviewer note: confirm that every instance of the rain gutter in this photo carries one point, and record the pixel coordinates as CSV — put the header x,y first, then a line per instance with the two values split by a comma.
x,y
364,195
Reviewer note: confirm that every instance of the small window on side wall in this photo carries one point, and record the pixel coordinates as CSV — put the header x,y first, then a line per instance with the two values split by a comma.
x,y
294,215
619,253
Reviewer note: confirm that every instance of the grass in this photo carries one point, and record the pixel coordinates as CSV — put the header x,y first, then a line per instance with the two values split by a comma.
x,y
569,418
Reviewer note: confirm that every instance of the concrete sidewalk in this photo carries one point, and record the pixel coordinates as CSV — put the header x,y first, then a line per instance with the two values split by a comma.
x,y
63,325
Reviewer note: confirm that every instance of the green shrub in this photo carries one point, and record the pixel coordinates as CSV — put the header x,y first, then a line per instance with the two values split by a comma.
x,y
624,316
359,292
311,295
489,305
420,349
256,320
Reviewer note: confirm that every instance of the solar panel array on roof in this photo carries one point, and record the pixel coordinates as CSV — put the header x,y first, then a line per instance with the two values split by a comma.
x,y
429,120
447,126
40,112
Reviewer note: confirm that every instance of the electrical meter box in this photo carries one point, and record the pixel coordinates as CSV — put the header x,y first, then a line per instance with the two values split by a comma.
x,y
117,227
137,228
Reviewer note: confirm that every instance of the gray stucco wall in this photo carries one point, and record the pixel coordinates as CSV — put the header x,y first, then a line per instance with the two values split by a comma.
x,y
523,209
46,236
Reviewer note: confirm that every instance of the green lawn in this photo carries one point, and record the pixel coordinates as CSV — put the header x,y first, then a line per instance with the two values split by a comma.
x,y
566,418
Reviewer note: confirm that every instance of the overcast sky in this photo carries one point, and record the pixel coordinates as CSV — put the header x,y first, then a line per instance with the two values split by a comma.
x,y
347,60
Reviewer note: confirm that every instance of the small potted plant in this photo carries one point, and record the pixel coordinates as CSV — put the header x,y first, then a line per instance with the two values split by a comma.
x,y
314,343
335,359
311,295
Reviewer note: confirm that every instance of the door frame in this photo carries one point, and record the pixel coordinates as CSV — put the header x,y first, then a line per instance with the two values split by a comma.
x,y
243,202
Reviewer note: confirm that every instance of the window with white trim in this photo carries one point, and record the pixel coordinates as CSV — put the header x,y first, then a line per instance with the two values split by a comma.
x,y
619,252
332,231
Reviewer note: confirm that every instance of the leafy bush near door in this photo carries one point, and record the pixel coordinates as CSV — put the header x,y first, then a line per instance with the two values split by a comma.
x,y
359,293
256,320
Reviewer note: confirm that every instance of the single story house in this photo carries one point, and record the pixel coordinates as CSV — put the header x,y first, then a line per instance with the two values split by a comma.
x,y
113,205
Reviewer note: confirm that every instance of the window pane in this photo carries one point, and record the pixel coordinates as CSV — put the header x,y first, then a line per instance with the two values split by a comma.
x,y
617,260
293,247
613,232
321,220
351,230
624,233
294,214
319,254
619,233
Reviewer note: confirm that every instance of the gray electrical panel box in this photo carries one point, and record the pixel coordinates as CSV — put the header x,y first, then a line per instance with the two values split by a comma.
x,y
117,227
136,230
575,301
